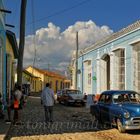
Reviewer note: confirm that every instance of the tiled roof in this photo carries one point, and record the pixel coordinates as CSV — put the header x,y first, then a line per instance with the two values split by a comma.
x,y
49,73
30,74
122,32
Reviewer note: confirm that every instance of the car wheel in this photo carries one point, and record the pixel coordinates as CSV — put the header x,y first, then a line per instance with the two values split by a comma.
x,y
83,104
66,103
120,126
96,122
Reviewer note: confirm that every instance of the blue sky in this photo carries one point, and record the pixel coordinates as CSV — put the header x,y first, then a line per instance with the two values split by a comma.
x,y
56,22
114,13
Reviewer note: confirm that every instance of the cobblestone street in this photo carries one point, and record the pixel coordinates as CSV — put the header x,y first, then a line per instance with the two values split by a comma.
x,y
70,123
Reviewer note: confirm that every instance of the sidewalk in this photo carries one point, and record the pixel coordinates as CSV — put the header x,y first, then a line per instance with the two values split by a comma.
x,y
3,129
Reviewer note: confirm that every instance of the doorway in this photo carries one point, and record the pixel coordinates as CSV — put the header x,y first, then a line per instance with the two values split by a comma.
x,y
105,72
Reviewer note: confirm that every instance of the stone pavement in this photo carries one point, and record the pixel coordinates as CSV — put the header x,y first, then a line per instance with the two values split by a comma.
x,y
70,123
66,119
4,128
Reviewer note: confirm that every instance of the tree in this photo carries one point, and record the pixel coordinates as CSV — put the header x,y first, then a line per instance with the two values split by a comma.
x,y
21,41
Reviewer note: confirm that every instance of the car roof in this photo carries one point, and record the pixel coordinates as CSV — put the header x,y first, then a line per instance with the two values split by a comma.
x,y
117,91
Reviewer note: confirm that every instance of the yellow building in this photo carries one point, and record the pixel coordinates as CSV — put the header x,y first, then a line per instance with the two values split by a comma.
x,y
56,80
32,82
35,72
67,83
11,56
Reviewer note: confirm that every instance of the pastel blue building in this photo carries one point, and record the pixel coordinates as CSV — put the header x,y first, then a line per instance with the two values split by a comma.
x,y
2,53
111,63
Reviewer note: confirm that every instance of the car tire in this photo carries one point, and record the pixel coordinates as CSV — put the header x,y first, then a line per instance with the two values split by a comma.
x,y
66,103
97,122
120,126
83,104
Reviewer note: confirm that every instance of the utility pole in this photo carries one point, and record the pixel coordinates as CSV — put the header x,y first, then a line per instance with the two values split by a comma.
x,y
48,66
76,70
48,70
21,41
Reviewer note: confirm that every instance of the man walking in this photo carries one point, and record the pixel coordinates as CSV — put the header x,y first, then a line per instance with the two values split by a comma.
x,y
17,102
48,101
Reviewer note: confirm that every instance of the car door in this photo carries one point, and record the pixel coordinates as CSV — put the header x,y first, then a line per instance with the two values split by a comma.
x,y
59,94
105,103
65,96
62,95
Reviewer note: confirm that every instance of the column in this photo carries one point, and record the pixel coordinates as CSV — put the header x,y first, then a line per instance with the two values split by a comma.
x,y
112,70
98,75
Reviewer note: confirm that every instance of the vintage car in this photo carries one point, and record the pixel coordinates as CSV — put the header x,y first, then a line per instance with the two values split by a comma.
x,y
120,108
71,96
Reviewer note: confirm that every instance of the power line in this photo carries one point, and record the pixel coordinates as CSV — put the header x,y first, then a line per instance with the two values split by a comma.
x,y
61,11
15,13
54,14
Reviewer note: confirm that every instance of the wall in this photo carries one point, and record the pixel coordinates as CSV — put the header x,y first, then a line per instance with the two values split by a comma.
x,y
2,54
46,78
96,54
37,74
56,83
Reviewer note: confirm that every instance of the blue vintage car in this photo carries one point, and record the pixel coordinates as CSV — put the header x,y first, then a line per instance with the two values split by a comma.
x,y
120,108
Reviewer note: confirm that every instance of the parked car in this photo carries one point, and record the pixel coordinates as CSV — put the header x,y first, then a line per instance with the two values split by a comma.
x,y
71,96
120,108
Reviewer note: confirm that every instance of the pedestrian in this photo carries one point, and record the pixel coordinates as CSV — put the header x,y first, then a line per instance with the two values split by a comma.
x,y
17,102
9,107
1,108
48,101
24,93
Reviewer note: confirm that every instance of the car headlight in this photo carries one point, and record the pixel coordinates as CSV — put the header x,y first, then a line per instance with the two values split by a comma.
x,y
126,114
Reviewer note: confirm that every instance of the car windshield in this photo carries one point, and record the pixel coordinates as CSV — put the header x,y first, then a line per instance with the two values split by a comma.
x,y
132,97
74,92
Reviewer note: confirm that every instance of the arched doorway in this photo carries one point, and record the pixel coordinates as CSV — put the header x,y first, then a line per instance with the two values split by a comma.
x,y
105,72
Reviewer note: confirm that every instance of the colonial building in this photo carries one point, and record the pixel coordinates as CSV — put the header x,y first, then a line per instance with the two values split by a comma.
x,y
111,63
2,54
32,82
10,62
56,80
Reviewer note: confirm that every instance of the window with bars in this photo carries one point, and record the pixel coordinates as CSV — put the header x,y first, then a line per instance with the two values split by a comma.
x,y
87,82
136,63
119,69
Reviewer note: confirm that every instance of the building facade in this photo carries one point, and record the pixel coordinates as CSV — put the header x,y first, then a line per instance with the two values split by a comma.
x,y
56,80
112,63
10,62
32,82
2,54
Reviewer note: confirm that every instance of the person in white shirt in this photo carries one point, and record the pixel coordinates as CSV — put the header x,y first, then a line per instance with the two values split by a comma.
x,y
48,100
17,98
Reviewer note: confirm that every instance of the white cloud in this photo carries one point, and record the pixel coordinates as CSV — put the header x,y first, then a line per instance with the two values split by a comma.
x,y
55,47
